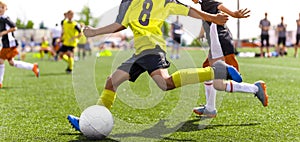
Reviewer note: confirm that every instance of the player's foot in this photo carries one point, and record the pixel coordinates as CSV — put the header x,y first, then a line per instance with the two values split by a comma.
x,y
74,121
202,111
0,85
262,92
36,70
234,74
68,70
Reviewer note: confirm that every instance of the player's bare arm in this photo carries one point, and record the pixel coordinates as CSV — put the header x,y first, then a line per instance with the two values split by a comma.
x,y
241,13
8,31
112,28
219,19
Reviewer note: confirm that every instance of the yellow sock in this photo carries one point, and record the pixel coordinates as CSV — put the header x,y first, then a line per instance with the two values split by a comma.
x,y
42,54
71,63
49,55
107,98
65,58
192,76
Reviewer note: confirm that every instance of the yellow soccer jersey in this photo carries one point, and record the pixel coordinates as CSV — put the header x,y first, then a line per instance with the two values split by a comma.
x,y
145,18
71,29
45,44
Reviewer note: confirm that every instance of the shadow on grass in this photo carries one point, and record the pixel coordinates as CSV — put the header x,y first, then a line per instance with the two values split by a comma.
x,y
53,74
158,131
82,138
191,125
155,132
11,87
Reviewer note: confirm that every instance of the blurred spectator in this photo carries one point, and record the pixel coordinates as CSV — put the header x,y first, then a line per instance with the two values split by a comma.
x,y
281,43
297,44
264,25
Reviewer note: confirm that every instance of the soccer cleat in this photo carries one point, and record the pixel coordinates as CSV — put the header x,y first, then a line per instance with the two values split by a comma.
x,y
74,121
68,71
202,111
36,70
234,74
262,92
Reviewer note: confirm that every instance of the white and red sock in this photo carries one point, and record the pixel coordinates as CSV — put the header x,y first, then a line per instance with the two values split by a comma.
x,y
23,65
210,93
2,69
233,86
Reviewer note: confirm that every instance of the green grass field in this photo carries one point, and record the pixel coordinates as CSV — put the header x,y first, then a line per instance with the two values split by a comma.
x,y
35,109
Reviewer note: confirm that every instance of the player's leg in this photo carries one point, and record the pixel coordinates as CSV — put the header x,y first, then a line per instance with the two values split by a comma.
x,y
42,53
210,94
209,109
268,45
84,52
296,46
21,64
108,95
24,65
183,77
262,45
70,61
2,70
259,89
284,51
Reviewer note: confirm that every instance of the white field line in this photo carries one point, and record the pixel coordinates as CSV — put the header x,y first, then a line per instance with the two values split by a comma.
x,y
270,66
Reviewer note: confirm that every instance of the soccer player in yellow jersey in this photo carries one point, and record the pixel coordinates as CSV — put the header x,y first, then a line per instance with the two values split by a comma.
x,y
45,48
145,18
71,33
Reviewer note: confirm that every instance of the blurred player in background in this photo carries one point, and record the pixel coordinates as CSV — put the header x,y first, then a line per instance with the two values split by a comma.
x,y
176,33
71,33
297,44
9,45
281,42
46,48
82,44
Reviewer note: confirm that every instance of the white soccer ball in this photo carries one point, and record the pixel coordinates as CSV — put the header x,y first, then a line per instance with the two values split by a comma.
x,y
96,122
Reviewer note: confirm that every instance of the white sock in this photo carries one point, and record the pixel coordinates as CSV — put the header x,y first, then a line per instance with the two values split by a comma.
x,y
2,69
23,65
210,93
233,86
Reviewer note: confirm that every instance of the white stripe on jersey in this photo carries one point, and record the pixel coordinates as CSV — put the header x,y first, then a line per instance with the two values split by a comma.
x,y
11,39
215,48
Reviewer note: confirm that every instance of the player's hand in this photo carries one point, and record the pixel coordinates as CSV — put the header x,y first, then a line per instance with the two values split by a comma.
x,y
89,31
220,18
242,13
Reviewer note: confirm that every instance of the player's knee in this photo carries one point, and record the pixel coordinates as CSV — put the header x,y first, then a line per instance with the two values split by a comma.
x,y
1,61
166,84
219,84
11,62
109,84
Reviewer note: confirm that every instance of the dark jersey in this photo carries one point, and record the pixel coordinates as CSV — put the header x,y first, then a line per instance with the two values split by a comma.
x,y
8,40
176,29
217,35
